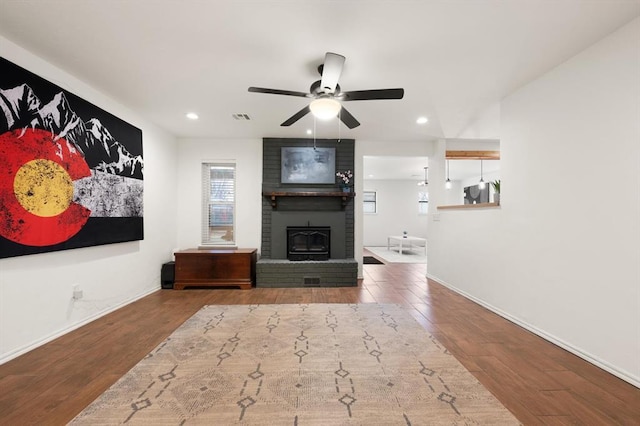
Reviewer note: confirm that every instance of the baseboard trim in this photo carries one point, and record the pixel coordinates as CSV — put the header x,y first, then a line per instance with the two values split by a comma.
x,y
23,350
622,374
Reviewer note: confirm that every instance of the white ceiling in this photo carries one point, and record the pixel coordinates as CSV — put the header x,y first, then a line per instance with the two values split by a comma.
x,y
163,58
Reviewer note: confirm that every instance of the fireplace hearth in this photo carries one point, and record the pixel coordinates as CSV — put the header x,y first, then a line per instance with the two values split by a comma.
x,y
308,242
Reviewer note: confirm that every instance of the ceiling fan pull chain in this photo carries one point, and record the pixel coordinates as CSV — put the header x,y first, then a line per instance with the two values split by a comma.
x,y
339,120
314,133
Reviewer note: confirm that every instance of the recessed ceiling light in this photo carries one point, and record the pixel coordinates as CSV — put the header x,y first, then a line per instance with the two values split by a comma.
x,y
422,120
309,131
192,116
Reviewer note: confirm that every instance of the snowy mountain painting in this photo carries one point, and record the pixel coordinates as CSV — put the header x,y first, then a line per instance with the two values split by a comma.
x,y
71,173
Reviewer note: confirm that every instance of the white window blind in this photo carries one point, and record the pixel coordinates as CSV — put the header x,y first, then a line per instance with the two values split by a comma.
x,y
218,203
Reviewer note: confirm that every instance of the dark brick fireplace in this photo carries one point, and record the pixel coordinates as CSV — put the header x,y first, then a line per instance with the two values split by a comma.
x,y
286,205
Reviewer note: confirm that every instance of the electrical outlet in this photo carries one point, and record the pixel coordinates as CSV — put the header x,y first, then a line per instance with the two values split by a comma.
x,y
77,292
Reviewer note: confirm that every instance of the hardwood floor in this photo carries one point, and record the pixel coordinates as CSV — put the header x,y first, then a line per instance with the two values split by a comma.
x,y
539,382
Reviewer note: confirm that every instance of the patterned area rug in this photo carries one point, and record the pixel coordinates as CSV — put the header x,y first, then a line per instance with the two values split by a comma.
x,y
318,364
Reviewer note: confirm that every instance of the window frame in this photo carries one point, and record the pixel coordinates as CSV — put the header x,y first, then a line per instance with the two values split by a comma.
x,y
223,207
423,203
366,202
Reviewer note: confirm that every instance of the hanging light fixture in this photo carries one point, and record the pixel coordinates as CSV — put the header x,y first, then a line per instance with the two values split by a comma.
x,y
481,184
325,108
448,183
425,183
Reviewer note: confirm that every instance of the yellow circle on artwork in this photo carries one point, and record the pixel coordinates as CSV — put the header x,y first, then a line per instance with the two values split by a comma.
x,y
43,188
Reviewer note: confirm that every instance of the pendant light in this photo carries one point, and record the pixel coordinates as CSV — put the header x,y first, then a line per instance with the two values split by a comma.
x,y
448,183
425,183
481,184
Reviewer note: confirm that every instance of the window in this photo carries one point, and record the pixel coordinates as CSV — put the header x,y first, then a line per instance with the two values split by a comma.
x,y
423,202
369,202
218,203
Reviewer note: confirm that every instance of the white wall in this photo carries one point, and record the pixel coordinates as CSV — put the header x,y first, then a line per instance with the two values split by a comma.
x,y
247,154
36,302
486,125
453,196
397,205
561,256
467,144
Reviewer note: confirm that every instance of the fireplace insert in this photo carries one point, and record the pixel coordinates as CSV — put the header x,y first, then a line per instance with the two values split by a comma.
x,y
308,242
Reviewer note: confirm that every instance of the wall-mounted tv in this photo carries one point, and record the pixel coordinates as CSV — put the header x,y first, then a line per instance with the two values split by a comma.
x,y
475,195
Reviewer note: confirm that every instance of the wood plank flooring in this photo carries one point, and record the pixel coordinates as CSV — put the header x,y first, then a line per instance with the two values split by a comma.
x,y
539,382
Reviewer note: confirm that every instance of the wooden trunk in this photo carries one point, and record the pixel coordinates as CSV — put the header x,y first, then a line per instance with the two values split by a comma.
x,y
215,268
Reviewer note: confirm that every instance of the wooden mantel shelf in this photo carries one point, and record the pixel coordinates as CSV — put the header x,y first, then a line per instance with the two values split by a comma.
x,y
274,195
469,206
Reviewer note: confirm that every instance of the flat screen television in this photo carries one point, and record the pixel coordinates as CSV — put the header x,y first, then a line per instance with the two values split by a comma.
x,y
475,195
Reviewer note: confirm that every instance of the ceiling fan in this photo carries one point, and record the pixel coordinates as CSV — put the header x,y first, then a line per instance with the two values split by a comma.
x,y
327,95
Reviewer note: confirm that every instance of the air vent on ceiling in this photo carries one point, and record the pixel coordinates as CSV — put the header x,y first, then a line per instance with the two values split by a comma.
x,y
242,117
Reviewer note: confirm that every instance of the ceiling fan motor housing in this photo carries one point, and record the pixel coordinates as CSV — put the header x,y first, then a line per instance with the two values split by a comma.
x,y
316,89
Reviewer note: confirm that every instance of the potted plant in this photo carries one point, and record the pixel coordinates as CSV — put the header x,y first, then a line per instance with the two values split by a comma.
x,y
345,179
496,189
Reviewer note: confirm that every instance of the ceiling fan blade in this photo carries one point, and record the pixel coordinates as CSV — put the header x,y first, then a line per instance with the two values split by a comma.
x,y
348,119
364,95
331,70
278,92
297,116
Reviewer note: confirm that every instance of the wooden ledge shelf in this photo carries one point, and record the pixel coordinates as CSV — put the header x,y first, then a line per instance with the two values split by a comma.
x,y
469,206
345,196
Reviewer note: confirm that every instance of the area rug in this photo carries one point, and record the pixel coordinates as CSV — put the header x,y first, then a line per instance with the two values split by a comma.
x,y
317,364
370,260
416,255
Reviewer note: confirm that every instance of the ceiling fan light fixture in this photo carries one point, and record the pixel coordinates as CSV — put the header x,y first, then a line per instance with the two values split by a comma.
x,y
327,94
325,108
